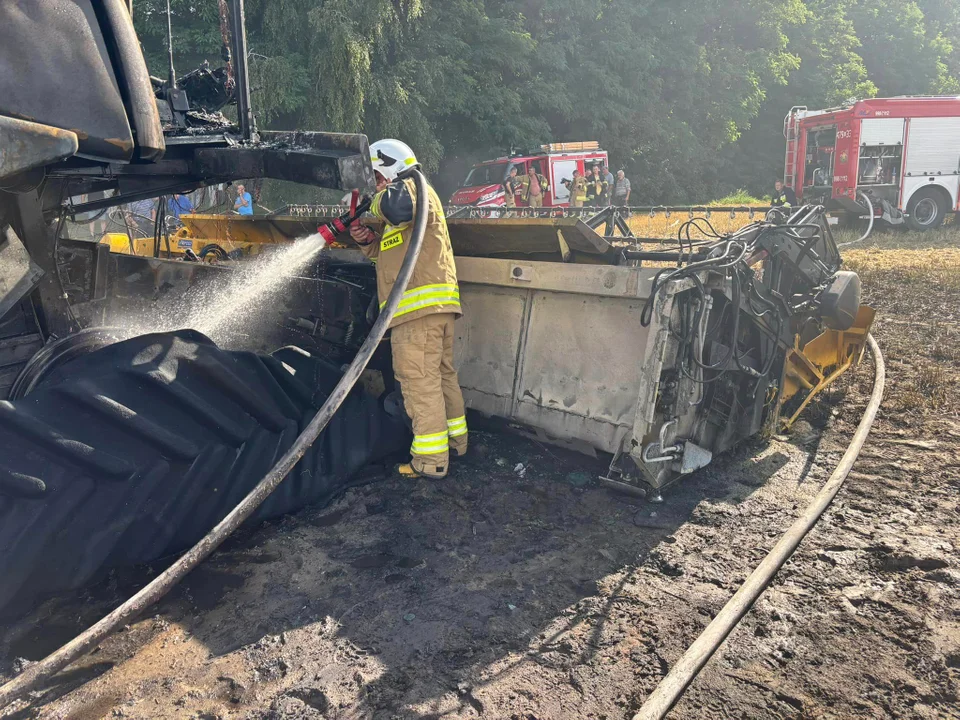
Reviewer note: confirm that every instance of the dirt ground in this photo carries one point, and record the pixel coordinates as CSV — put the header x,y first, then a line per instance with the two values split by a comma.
x,y
519,589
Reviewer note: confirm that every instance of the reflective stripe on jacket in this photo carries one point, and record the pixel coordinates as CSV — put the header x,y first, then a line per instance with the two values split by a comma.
x,y
433,286
578,188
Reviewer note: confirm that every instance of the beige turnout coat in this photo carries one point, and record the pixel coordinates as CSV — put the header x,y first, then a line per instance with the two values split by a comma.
x,y
433,286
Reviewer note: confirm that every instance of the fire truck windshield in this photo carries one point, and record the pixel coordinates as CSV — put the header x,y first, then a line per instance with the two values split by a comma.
x,y
489,174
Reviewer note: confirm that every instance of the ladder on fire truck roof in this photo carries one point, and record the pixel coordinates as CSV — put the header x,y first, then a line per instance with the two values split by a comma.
x,y
571,146
791,131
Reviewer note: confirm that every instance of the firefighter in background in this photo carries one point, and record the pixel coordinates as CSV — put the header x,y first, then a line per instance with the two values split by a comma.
x,y
596,186
535,186
578,189
422,328
783,196
511,186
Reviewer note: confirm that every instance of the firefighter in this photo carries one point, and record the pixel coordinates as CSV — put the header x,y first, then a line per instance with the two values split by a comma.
x,y
422,328
511,186
783,196
535,186
578,189
596,186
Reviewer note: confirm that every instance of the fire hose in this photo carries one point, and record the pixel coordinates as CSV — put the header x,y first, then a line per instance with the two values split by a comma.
x,y
869,226
686,669
36,674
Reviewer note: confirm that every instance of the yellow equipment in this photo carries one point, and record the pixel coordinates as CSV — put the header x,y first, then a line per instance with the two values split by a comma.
x,y
214,238
821,361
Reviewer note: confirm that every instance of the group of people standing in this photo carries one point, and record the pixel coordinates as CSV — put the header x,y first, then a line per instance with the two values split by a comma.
x,y
530,188
599,188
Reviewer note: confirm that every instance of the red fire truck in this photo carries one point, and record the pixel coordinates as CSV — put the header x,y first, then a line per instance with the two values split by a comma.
x,y
902,153
556,161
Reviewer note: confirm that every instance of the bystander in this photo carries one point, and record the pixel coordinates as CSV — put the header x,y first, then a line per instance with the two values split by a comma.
x,y
607,185
244,203
176,206
621,190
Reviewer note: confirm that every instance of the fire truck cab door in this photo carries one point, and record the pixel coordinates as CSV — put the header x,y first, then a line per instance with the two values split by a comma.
x,y
844,162
561,170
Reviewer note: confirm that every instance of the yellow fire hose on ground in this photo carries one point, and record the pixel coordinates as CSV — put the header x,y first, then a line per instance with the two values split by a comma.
x,y
686,669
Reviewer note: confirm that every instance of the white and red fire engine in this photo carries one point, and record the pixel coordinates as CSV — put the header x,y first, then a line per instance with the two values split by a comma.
x,y
556,161
902,153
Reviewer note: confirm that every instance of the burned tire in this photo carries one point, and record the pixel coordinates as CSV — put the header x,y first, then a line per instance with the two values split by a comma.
x,y
926,210
133,452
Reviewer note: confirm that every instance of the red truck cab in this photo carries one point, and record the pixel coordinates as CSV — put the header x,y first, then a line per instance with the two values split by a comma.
x,y
483,186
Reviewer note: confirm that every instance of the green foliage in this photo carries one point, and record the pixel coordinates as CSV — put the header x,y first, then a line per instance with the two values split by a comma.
x,y
688,96
904,55
740,197
196,34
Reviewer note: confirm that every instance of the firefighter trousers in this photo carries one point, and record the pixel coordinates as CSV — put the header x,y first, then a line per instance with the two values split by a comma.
x,y
423,365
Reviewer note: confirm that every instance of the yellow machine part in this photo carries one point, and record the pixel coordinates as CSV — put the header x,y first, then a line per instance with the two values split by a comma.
x,y
562,238
244,230
120,243
821,361
182,240
248,234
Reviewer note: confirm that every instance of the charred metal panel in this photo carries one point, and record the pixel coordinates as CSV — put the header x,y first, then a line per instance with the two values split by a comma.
x,y
487,353
546,239
39,238
26,145
141,103
84,270
580,366
18,274
324,313
55,69
333,160
565,352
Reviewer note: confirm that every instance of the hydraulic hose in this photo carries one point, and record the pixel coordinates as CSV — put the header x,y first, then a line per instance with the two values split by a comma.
x,y
869,226
163,583
672,687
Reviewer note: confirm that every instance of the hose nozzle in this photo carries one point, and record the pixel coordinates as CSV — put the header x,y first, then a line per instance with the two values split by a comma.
x,y
329,231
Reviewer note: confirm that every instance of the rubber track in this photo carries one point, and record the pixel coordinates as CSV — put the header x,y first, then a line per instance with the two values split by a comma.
x,y
135,451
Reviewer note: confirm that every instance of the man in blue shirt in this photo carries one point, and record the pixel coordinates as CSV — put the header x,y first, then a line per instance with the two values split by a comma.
x,y
177,204
244,203
607,185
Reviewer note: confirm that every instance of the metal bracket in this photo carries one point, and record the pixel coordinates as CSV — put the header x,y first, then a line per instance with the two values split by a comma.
x,y
18,273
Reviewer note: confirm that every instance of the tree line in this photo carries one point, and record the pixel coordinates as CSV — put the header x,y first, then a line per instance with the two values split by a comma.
x,y
688,96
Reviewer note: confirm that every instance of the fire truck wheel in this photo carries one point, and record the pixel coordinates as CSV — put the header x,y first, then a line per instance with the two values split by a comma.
x,y
926,210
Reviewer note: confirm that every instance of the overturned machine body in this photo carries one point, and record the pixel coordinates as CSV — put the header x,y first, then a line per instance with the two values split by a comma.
x,y
659,358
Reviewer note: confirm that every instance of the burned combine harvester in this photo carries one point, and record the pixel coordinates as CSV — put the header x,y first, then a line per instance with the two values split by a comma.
x,y
660,358
120,448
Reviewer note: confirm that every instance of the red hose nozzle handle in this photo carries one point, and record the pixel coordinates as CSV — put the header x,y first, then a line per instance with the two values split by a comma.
x,y
330,230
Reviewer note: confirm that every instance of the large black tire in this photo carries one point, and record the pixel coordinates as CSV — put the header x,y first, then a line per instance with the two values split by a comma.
x,y
134,451
927,209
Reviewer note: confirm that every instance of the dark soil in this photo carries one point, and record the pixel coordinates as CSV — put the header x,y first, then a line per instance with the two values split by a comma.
x,y
531,593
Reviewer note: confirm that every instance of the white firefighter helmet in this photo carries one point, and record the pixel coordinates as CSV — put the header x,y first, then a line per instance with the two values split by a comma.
x,y
392,157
